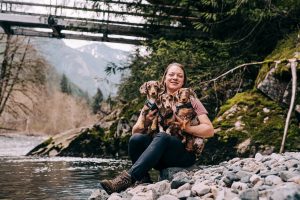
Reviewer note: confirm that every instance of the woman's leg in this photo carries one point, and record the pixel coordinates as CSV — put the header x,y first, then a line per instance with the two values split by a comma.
x,y
156,154
176,155
137,145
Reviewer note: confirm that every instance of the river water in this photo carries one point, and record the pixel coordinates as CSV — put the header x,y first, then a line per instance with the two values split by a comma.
x,y
23,177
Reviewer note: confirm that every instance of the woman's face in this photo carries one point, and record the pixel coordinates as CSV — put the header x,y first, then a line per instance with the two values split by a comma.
x,y
174,79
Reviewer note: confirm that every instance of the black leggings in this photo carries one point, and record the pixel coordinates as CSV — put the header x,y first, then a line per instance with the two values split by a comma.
x,y
160,152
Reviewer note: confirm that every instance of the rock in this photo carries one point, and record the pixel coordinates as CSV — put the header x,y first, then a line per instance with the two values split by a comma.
x,y
219,183
273,180
184,194
167,197
200,189
238,186
186,186
295,179
249,194
115,196
285,175
258,157
161,188
99,195
254,179
230,178
290,191
148,195
167,174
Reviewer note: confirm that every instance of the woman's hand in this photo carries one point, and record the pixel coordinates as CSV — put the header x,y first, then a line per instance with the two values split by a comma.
x,y
181,122
204,130
150,117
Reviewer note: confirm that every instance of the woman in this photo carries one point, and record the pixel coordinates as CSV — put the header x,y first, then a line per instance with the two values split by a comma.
x,y
162,150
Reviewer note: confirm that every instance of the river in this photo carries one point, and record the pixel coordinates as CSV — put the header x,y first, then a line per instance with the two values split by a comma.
x,y
23,177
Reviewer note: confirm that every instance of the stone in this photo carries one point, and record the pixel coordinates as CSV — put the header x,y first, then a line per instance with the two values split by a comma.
x,y
115,196
148,195
99,194
285,175
295,179
161,188
254,179
230,178
167,174
186,186
258,157
273,180
289,191
184,194
200,189
238,186
249,194
167,197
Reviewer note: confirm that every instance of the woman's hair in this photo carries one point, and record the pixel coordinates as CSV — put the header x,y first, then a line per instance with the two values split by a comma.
x,y
167,69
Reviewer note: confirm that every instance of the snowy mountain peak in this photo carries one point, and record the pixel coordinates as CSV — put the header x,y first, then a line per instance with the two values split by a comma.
x,y
85,66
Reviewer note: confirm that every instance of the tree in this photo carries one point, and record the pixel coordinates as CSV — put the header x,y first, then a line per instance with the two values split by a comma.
x,y
21,67
65,85
97,99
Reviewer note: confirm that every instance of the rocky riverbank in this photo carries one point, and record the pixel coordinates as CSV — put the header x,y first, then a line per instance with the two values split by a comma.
x,y
272,176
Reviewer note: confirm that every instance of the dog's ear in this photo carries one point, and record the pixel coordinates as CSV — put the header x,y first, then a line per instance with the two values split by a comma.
x,y
177,95
175,98
158,101
192,93
143,88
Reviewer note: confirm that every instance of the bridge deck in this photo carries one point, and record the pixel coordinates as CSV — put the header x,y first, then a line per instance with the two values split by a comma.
x,y
35,19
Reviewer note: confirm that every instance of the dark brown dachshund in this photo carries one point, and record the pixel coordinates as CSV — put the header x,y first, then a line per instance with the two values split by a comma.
x,y
166,121
186,112
152,89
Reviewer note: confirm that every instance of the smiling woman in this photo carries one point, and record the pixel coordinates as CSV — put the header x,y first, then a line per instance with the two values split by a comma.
x,y
162,150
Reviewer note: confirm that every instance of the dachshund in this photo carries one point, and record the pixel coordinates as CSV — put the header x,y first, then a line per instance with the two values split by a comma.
x,y
186,112
152,89
166,121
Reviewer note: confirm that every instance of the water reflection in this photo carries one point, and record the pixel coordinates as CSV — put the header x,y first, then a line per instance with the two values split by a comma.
x,y
54,178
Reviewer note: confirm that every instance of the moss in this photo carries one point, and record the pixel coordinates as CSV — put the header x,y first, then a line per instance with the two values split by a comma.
x,y
261,127
87,144
285,49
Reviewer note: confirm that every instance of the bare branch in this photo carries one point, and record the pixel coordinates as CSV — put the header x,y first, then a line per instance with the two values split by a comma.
x,y
294,88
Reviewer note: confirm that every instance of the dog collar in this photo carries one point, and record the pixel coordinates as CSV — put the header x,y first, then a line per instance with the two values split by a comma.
x,y
151,106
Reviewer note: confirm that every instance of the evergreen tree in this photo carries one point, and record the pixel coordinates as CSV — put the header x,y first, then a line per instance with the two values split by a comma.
x,y
97,99
65,85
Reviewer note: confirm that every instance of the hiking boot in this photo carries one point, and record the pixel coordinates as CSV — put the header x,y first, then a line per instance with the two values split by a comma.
x,y
118,184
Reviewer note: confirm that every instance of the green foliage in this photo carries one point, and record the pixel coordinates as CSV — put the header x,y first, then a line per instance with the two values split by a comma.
x,y
65,85
262,127
97,99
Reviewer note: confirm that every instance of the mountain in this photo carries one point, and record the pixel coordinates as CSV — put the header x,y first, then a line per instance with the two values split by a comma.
x,y
84,66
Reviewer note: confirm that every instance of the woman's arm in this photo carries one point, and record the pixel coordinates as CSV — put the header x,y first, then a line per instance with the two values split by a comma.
x,y
149,117
205,129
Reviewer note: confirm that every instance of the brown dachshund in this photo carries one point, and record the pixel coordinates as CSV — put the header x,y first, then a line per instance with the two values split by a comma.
x,y
152,89
186,112
166,115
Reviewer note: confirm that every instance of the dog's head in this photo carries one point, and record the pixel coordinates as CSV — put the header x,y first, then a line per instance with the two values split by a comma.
x,y
152,89
167,101
184,95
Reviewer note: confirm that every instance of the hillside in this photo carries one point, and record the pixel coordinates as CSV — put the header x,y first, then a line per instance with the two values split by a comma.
x,y
86,65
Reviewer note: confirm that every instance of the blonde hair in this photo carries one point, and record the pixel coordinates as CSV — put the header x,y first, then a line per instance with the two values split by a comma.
x,y
167,69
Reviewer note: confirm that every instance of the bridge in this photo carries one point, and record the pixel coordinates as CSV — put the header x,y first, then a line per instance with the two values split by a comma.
x,y
102,20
